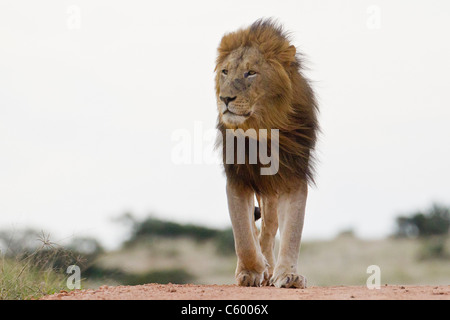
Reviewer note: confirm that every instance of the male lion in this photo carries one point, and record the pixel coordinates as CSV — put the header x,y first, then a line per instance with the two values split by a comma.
x,y
259,85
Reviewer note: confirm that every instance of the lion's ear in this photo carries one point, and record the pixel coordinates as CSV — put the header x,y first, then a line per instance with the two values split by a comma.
x,y
288,56
292,51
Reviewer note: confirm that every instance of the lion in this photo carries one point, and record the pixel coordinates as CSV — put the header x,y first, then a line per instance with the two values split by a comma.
x,y
259,85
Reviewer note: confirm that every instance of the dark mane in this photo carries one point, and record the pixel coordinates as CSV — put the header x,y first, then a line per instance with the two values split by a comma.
x,y
294,113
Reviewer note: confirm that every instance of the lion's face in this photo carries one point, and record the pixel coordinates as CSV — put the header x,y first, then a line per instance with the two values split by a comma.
x,y
240,79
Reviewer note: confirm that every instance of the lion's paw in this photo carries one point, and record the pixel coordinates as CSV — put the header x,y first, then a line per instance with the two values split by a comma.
x,y
248,278
288,280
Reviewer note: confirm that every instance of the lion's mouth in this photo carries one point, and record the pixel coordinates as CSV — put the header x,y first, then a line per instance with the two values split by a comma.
x,y
248,114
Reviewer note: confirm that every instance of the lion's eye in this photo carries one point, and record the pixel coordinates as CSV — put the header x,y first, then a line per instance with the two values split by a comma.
x,y
225,71
249,73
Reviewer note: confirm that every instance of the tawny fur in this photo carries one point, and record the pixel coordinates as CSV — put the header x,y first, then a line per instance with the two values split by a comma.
x,y
259,85
283,100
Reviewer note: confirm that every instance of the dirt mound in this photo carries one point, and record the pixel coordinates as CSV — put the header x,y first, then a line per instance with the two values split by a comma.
x,y
232,292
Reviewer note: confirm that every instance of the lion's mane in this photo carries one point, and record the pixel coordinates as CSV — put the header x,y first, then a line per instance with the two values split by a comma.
x,y
292,110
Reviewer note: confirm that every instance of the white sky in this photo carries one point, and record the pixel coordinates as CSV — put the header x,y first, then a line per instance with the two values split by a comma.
x,y
87,114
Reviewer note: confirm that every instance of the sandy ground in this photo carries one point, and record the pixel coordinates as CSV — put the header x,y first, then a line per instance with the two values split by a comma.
x,y
232,292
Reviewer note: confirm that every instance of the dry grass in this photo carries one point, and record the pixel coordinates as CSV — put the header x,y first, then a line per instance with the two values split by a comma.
x,y
21,281
30,275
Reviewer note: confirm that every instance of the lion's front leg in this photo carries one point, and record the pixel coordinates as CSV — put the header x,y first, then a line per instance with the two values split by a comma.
x,y
251,268
269,227
291,213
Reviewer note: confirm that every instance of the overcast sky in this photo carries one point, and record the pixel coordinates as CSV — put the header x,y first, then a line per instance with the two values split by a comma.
x,y
93,95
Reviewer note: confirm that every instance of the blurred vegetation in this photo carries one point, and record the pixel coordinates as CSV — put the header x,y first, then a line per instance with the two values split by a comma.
x,y
159,251
117,275
434,248
435,221
152,227
432,226
150,237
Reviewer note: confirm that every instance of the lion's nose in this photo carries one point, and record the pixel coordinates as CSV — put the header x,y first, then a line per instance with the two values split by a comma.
x,y
227,100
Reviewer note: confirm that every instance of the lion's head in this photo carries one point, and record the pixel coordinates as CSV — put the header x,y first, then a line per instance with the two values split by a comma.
x,y
255,71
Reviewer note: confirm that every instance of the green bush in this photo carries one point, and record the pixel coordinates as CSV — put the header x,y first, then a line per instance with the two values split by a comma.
x,y
433,222
155,227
